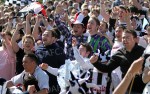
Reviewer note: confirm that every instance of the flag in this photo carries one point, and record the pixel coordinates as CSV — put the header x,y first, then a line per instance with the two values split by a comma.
x,y
36,7
18,2
145,22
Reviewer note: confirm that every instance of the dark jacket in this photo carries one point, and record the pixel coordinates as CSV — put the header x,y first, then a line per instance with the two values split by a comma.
x,y
124,59
54,56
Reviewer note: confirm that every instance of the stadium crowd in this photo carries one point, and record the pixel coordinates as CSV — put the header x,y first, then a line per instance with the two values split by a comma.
x,y
75,47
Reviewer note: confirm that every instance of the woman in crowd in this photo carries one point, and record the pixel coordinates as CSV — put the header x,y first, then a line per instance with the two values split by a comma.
x,y
7,57
27,44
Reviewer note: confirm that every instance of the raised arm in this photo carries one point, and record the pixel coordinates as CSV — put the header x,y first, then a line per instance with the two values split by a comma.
x,y
67,19
132,71
15,38
35,32
103,11
51,70
127,19
112,64
81,61
28,25
8,46
136,4
79,58
9,24
113,18
46,24
61,25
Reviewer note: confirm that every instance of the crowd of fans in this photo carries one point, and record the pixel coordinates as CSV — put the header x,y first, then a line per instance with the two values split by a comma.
x,y
104,37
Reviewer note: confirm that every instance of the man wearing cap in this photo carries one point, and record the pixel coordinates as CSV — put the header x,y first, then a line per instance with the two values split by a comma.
x,y
78,29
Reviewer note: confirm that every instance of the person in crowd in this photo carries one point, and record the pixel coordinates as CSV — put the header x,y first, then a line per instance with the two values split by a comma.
x,y
81,63
40,26
124,58
28,47
31,68
7,58
146,70
57,38
97,23
119,12
118,39
103,31
78,28
96,12
53,55
97,41
116,74
76,6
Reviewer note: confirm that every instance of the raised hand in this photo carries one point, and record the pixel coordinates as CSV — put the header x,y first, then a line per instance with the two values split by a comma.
x,y
10,20
44,66
137,65
19,26
93,58
66,16
74,41
127,16
127,20
115,12
39,18
28,17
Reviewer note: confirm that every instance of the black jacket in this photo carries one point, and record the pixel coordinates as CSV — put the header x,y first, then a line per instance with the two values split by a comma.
x,y
124,59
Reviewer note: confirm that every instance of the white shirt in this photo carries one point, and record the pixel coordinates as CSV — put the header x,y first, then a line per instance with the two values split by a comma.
x,y
39,74
83,62
142,42
117,45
